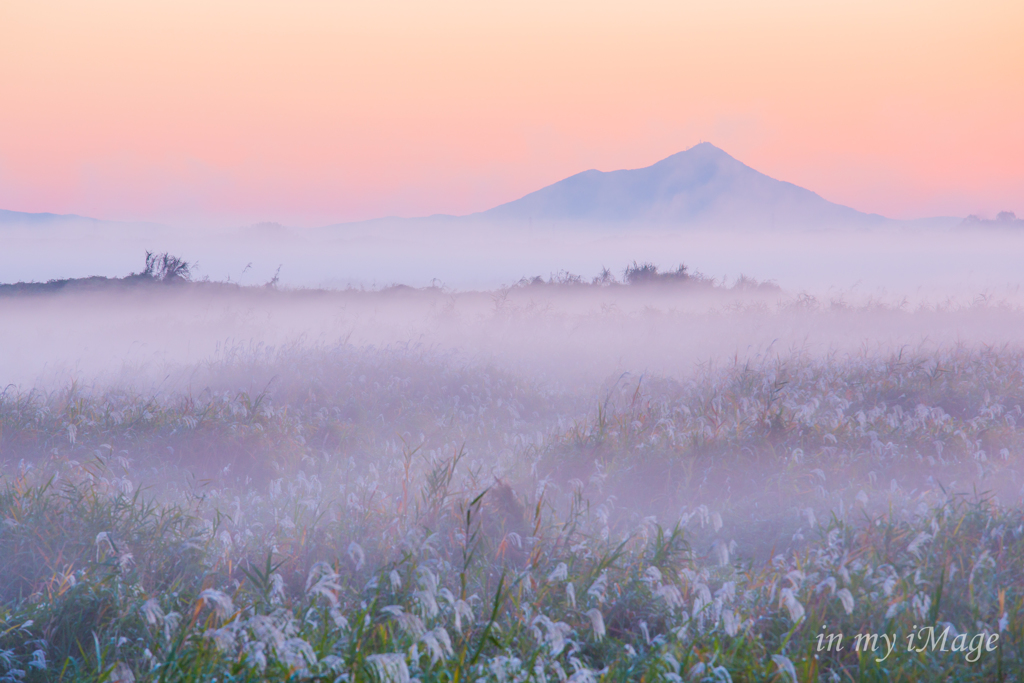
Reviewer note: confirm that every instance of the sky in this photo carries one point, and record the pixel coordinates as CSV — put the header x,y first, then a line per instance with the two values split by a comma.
x,y
314,112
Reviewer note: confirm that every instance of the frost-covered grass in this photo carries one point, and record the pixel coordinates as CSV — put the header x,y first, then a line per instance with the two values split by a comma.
x,y
387,515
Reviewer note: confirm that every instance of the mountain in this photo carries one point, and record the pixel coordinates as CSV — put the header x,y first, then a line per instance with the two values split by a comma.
x,y
46,222
41,219
701,186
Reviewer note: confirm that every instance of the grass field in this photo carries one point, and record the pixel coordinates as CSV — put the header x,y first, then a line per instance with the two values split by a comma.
x,y
336,511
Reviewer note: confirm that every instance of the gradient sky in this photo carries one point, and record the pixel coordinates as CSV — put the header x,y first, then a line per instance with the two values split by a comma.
x,y
311,112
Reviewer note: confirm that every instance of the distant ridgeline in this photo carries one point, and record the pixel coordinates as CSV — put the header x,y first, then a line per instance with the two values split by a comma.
x,y
702,186
1004,219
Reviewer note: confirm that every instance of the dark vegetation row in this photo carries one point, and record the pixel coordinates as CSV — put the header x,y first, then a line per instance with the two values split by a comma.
x,y
167,270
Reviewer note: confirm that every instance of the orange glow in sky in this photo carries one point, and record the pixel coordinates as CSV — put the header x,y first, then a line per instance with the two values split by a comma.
x,y
316,111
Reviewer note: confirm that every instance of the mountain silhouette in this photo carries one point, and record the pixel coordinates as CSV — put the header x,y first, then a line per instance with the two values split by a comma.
x,y
68,221
40,219
701,186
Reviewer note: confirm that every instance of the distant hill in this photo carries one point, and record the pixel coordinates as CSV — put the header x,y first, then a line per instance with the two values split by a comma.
x,y
701,186
42,219
21,219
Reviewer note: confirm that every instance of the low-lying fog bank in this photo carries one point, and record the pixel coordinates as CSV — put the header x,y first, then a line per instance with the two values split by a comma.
x,y
922,264
567,334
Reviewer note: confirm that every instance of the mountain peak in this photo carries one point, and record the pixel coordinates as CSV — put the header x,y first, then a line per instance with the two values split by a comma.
x,y
700,149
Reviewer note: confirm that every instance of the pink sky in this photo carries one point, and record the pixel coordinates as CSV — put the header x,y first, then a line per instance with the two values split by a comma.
x,y
313,112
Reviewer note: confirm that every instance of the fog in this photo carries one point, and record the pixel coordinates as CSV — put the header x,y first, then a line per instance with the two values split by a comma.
x,y
902,260
561,333
493,297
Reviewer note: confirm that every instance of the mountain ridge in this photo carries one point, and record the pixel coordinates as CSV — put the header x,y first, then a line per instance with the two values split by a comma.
x,y
700,186
28,218
44,219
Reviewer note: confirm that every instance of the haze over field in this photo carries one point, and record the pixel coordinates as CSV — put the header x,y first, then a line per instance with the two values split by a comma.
x,y
552,334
